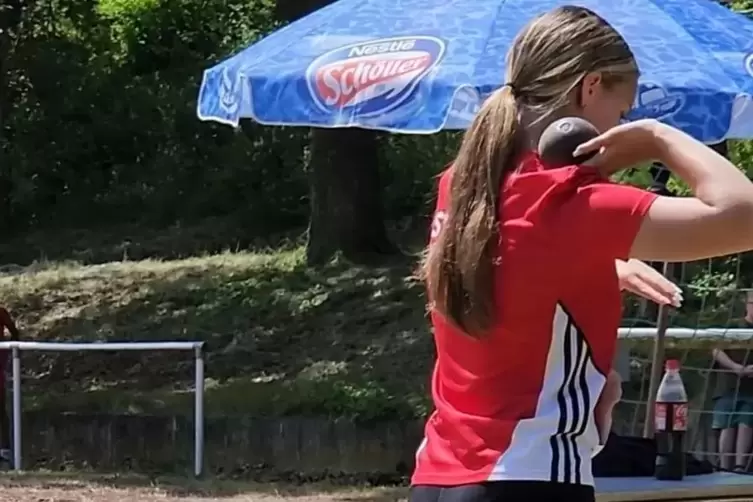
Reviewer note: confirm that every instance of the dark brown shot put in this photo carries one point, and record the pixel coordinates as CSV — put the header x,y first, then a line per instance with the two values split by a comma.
x,y
561,138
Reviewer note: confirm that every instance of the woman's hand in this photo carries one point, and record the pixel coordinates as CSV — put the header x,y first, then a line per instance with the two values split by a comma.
x,y
644,281
623,146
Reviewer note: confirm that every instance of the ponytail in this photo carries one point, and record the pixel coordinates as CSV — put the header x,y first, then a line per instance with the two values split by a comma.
x,y
459,266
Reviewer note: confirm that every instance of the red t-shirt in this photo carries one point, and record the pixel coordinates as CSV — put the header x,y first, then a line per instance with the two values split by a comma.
x,y
518,404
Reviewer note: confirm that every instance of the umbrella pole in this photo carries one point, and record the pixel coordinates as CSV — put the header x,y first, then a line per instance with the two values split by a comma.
x,y
657,361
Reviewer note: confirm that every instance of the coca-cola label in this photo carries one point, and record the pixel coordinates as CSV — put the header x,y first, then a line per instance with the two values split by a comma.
x,y
660,417
679,416
373,77
680,420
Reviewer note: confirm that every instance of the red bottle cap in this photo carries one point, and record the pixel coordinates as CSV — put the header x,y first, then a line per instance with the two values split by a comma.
x,y
672,365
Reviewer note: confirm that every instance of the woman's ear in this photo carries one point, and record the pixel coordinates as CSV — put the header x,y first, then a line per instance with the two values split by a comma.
x,y
590,88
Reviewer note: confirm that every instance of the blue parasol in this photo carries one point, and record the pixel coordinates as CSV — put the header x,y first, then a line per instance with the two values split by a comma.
x,y
422,66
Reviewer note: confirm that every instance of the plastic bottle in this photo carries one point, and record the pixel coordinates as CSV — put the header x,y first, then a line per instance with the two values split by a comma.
x,y
670,424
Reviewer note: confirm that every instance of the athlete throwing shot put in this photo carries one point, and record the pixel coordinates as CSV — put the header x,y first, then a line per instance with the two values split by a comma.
x,y
520,272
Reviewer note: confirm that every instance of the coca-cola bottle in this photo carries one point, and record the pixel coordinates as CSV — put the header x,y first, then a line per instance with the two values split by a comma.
x,y
670,424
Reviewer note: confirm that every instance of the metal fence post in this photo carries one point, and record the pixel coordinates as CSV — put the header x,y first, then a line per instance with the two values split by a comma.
x,y
17,347
198,461
657,361
16,408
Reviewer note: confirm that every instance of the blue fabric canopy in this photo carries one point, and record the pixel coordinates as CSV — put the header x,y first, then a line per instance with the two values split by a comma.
x,y
421,66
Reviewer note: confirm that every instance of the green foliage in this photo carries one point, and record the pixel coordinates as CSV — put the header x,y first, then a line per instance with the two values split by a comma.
x,y
743,6
411,163
156,35
98,130
100,126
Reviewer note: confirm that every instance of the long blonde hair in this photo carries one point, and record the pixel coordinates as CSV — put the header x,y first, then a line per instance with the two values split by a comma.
x,y
547,61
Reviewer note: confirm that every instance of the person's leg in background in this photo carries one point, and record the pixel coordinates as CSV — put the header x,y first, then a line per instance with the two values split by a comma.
x,y
744,413
724,421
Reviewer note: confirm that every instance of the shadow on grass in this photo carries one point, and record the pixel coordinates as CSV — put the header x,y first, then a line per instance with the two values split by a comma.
x,y
281,337
136,242
167,487
323,491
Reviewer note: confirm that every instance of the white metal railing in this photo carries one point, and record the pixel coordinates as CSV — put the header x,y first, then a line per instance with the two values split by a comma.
x,y
624,333
196,347
659,335
730,335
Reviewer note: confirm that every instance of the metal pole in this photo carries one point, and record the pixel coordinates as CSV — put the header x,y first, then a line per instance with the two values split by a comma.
x,y
16,409
657,362
198,460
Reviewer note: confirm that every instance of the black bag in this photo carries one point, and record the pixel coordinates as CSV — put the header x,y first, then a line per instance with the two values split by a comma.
x,y
626,456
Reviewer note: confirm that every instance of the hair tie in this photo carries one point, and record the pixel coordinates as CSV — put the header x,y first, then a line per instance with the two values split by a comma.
x,y
512,88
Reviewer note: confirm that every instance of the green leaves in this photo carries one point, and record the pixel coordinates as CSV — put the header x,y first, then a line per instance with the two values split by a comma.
x,y
742,6
100,125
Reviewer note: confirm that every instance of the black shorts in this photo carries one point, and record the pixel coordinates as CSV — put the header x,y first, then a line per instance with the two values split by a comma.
x,y
504,491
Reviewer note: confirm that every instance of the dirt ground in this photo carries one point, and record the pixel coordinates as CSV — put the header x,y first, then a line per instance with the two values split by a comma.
x,y
62,488
53,487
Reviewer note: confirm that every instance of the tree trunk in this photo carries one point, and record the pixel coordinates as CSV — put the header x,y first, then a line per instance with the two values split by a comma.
x,y
346,205
346,193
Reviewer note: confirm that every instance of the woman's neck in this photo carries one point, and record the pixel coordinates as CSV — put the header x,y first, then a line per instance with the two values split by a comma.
x,y
533,125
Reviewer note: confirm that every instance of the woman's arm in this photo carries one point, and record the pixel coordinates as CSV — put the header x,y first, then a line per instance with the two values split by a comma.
x,y
717,221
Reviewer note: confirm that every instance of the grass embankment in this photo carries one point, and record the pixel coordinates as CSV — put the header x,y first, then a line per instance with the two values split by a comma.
x,y
134,488
281,338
